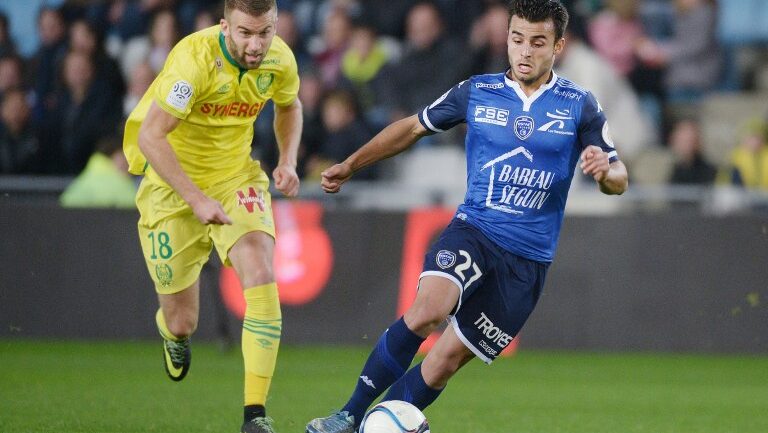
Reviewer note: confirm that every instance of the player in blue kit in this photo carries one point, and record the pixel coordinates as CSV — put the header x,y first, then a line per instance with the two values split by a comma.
x,y
527,129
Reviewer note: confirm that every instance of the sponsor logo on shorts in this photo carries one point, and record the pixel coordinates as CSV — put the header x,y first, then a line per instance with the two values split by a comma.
x,y
254,197
488,349
164,274
493,333
445,259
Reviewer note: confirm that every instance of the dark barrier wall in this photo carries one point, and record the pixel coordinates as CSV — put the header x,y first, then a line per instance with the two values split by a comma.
x,y
663,282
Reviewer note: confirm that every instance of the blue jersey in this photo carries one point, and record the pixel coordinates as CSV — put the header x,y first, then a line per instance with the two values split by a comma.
x,y
521,155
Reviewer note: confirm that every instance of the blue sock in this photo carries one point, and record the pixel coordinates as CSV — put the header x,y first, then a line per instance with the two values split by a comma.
x,y
412,388
387,362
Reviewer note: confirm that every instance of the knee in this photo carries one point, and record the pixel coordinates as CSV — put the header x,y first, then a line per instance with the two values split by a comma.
x,y
257,270
423,320
181,325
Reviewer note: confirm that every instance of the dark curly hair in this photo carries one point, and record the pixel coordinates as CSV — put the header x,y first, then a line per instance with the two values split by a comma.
x,y
536,11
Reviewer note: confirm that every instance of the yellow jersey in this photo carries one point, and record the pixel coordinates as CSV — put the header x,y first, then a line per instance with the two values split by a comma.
x,y
216,100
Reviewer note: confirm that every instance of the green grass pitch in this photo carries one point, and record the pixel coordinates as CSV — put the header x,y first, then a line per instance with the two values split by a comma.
x,y
106,387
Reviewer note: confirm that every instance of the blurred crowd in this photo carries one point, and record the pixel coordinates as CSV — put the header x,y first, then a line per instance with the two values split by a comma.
x,y
365,63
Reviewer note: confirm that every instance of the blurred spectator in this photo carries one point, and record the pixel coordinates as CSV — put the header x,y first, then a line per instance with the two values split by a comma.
x,y
387,15
363,61
458,13
154,47
327,56
345,132
489,41
585,67
205,18
431,64
11,74
86,38
289,33
7,47
53,47
191,12
748,163
19,143
613,33
312,15
105,181
692,58
138,83
690,167
84,113
130,18
310,94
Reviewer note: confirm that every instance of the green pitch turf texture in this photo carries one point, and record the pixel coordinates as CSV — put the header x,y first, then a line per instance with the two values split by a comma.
x,y
121,387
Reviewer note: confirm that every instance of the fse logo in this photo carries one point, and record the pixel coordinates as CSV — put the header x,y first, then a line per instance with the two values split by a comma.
x,y
492,115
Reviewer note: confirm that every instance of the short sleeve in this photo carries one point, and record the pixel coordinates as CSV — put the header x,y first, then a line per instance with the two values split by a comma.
x,y
593,128
180,82
448,110
288,88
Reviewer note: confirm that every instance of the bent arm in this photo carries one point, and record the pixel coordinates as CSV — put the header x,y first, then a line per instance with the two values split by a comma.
x,y
616,180
154,144
392,140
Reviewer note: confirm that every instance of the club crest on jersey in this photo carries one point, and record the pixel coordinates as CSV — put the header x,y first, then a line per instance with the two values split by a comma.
x,y
445,259
523,127
264,80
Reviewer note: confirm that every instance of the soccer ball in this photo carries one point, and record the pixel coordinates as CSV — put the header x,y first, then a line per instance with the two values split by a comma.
x,y
394,416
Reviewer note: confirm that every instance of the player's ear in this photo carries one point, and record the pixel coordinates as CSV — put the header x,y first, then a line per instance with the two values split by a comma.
x,y
559,45
224,26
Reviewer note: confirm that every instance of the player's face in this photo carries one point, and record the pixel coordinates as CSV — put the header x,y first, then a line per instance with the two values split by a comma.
x,y
531,48
249,37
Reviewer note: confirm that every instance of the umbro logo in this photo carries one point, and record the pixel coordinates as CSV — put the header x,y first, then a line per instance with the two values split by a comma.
x,y
367,381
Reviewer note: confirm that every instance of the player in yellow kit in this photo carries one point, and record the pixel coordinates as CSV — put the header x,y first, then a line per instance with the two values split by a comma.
x,y
190,136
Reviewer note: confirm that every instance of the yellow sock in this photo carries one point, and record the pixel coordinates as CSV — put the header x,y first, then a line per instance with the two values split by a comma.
x,y
162,327
261,338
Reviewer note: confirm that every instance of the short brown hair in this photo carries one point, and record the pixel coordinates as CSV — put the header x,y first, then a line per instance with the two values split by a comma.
x,y
251,7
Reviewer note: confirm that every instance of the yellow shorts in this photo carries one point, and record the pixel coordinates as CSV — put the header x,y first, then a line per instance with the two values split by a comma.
x,y
176,245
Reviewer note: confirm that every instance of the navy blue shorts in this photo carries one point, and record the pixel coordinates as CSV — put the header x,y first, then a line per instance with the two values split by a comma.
x,y
498,289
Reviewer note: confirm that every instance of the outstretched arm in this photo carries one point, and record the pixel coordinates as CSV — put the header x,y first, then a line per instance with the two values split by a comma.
x,y
611,177
153,143
392,140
